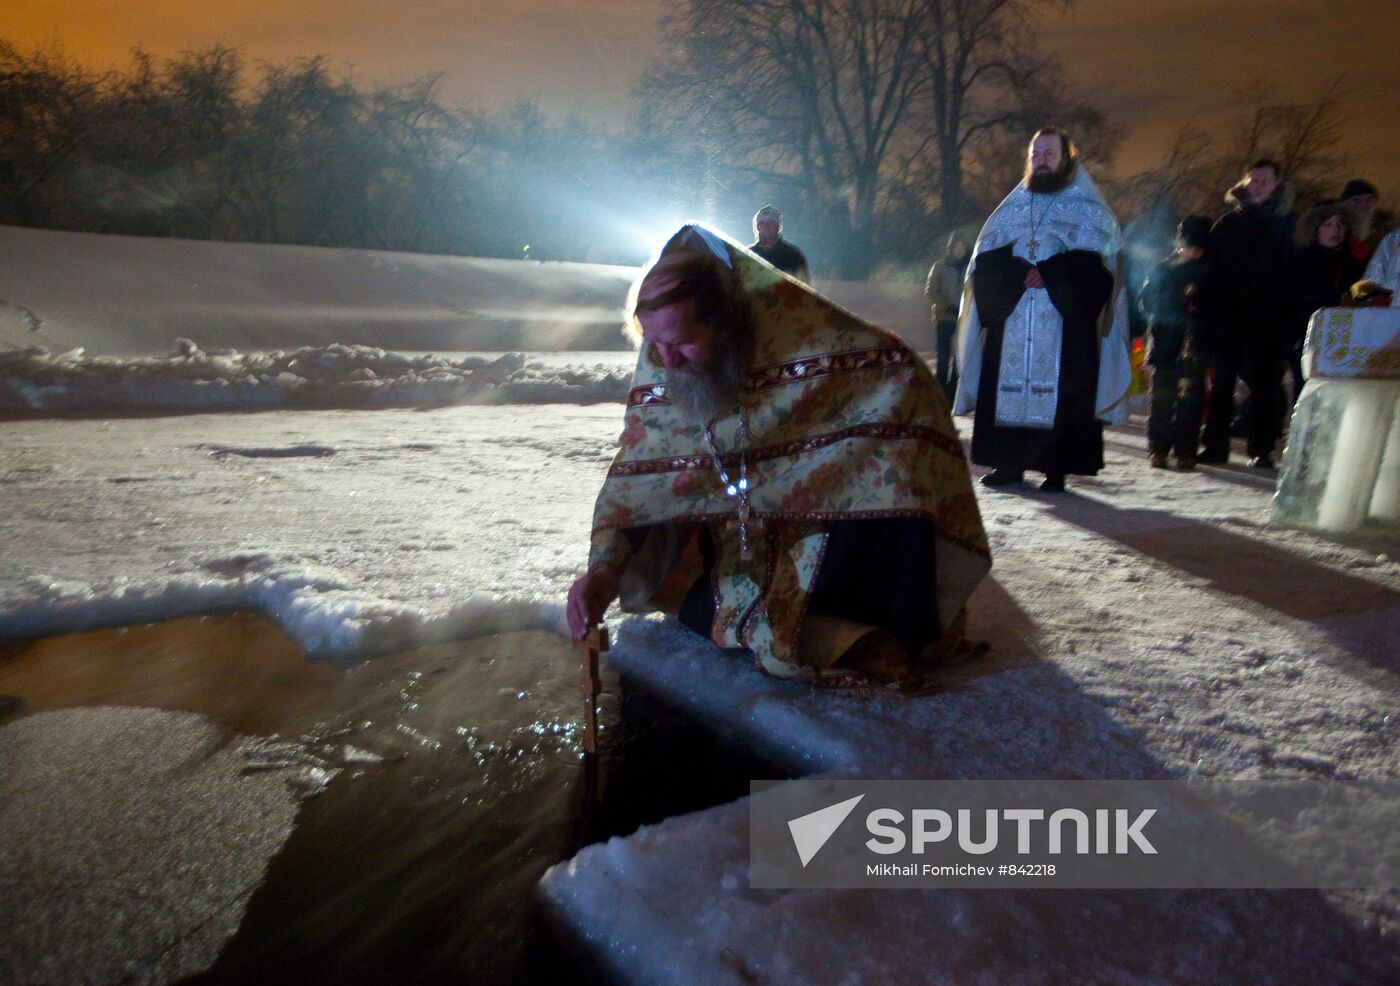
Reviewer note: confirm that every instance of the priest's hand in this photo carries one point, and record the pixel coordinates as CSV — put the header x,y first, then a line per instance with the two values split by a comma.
x,y
589,598
1033,279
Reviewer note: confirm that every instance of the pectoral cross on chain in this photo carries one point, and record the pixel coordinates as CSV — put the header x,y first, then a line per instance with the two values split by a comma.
x,y
1031,247
743,521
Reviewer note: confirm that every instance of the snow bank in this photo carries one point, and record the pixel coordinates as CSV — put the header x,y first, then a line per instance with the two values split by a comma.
x,y
87,324
35,380
671,903
319,609
1145,625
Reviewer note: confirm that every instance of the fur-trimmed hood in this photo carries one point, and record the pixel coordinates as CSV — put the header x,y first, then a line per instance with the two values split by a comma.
x,y
1306,232
1282,201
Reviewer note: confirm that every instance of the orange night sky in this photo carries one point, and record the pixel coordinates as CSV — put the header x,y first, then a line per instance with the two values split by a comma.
x,y
1153,65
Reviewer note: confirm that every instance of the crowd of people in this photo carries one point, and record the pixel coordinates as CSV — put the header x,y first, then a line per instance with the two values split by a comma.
x,y
1234,302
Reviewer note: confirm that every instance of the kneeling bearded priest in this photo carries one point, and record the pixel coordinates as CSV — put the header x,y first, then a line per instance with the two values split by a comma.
x,y
788,479
1043,330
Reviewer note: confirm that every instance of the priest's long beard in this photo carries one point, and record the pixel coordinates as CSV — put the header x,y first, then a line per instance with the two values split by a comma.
x,y
1053,181
707,392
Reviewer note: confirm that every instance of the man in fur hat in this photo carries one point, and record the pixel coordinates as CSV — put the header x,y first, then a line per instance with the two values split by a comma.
x,y
1251,251
1042,339
788,479
770,245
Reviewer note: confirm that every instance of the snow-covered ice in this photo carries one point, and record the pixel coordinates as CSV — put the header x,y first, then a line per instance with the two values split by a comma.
x,y
360,533
1151,624
1148,624
170,786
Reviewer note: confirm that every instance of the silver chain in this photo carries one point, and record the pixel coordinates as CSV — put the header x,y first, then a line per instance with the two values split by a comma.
x,y
738,489
1035,226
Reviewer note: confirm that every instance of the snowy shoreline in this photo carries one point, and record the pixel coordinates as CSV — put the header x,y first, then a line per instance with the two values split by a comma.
x,y
37,383
318,610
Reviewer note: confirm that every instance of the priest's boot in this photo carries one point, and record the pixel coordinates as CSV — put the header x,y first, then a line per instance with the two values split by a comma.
x,y
1054,482
875,664
1003,477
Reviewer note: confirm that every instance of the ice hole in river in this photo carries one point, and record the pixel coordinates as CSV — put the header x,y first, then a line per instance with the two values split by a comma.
x,y
457,780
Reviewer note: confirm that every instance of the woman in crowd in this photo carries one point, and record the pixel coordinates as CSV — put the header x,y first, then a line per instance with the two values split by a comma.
x,y
1324,271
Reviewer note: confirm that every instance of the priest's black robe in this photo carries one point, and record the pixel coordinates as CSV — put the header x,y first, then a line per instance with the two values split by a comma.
x,y
1079,286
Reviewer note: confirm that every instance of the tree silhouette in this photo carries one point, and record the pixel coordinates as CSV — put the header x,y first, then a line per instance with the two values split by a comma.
x,y
853,102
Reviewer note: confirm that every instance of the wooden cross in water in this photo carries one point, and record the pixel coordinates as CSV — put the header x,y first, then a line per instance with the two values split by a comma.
x,y
594,643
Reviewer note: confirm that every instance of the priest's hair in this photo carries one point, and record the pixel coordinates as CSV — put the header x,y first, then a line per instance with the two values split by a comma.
x,y
686,275
702,392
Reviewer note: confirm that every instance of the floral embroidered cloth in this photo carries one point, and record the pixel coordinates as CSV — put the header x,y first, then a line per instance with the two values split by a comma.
x,y
843,422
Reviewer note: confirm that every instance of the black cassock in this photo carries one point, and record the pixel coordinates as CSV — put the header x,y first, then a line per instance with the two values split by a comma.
x,y
1079,286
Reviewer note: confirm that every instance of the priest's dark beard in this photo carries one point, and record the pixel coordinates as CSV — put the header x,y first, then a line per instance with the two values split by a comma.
x,y
708,392
1056,181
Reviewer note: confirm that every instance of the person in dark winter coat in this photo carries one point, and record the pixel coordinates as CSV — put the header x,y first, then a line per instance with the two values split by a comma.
x,y
943,289
1251,251
1323,271
1172,301
770,245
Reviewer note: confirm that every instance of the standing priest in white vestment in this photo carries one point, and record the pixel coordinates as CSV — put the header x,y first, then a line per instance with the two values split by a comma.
x,y
1042,336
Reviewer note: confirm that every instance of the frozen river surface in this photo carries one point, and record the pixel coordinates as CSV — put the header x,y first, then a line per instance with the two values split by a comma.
x,y
1147,624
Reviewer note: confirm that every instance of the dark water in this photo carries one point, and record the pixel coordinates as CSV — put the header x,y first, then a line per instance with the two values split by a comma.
x,y
421,868
396,877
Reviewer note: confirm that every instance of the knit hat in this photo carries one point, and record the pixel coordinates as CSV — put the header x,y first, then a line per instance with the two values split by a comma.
x,y
769,212
1193,231
1357,186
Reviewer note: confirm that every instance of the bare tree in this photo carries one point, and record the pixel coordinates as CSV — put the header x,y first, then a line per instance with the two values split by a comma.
x,y
1302,136
158,160
817,88
859,102
1204,161
988,82
47,110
